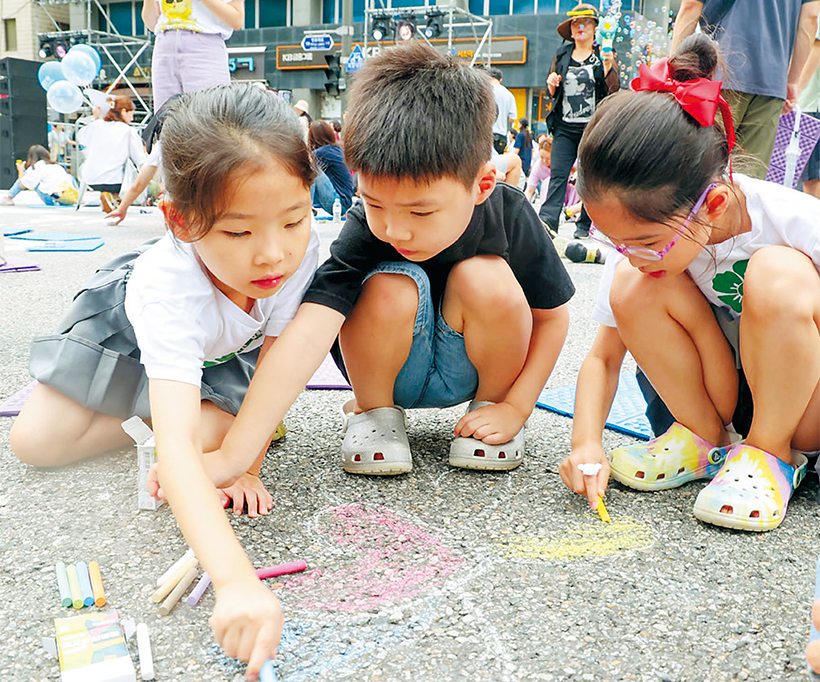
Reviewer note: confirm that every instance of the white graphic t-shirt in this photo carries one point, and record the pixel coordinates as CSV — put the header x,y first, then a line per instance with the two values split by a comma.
x,y
189,15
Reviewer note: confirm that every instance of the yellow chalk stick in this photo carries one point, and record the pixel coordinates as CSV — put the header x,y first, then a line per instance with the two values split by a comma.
x,y
74,586
172,599
165,589
602,512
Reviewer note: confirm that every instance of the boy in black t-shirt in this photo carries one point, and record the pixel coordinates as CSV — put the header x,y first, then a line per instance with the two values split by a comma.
x,y
445,287
451,288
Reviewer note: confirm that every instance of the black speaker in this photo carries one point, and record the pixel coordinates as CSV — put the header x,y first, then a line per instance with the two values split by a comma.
x,y
23,116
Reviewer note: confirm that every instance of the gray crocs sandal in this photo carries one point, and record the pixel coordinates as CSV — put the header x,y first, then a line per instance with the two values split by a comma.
x,y
375,442
472,453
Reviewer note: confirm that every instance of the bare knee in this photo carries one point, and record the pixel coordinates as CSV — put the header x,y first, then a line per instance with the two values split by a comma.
x,y
780,284
32,442
486,283
387,298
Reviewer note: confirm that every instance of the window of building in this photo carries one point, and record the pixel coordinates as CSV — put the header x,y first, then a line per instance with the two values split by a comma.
x,y
272,14
250,14
523,6
121,15
10,33
332,10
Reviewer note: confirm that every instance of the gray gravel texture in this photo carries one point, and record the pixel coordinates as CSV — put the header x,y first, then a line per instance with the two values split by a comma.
x,y
441,574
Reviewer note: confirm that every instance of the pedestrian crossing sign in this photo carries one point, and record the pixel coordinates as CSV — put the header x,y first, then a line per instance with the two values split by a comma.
x,y
355,60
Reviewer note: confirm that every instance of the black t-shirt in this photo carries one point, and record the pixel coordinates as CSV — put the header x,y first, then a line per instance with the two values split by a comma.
x,y
505,225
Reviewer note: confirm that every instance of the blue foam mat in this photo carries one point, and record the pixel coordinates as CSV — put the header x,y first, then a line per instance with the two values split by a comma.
x,y
628,413
13,231
28,235
81,245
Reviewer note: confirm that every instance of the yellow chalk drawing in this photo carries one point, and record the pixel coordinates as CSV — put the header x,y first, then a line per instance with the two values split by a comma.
x,y
597,540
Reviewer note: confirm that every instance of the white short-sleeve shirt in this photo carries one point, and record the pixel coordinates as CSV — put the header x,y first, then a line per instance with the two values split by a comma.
x,y
184,323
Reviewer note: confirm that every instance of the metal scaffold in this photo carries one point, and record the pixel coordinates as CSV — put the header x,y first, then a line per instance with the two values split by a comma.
x,y
430,23
120,53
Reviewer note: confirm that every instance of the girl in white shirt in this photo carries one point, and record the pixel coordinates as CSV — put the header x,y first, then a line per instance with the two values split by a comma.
x,y
187,319
719,287
48,179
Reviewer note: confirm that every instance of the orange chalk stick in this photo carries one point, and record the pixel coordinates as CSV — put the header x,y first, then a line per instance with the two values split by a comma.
x,y
96,583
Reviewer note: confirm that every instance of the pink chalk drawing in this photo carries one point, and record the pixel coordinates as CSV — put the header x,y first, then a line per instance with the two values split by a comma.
x,y
391,559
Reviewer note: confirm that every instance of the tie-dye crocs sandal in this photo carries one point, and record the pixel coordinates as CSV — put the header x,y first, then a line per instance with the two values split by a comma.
x,y
375,442
751,491
472,453
668,461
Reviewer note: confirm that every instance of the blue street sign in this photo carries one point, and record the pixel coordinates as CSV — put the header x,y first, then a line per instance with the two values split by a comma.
x,y
317,42
355,60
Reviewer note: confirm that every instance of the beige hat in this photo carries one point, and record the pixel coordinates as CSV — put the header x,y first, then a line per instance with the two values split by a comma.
x,y
301,105
583,10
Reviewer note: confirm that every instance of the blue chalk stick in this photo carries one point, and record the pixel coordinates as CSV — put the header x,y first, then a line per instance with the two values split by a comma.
x,y
85,583
268,672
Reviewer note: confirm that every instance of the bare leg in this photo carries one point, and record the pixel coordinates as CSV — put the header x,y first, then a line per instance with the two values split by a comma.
x,y
377,337
484,301
780,348
672,333
53,430
812,187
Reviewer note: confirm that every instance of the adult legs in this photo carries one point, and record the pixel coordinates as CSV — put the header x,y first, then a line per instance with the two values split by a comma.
x,y
693,370
755,118
780,349
564,153
322,193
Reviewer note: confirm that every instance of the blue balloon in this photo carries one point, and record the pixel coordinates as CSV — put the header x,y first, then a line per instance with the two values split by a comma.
x,y
79,68
49,73
65,97
91,52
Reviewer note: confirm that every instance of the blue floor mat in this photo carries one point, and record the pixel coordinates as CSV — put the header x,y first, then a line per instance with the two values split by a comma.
x,y
81,245
27,235
14,231
628,409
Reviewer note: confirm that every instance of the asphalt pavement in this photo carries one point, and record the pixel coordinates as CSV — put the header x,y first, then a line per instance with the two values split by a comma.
x,y
438,575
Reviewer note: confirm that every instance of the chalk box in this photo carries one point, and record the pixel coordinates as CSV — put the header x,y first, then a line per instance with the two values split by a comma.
x,y
92,649
146,457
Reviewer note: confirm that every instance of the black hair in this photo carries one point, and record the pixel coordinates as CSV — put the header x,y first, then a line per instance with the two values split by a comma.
x,y
211,135
152,130
645,149
415,113
524,127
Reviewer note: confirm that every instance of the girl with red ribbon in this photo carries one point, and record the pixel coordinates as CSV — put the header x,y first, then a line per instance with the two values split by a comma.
x,y
714,290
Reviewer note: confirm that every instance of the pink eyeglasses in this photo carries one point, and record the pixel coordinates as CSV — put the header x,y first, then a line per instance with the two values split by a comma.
x,y
644,252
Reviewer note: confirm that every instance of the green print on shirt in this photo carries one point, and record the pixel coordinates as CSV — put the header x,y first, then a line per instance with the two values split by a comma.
x,y
730,284
231,356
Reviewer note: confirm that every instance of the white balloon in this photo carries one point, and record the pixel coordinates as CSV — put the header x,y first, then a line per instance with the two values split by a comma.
x,y
65,97
79,68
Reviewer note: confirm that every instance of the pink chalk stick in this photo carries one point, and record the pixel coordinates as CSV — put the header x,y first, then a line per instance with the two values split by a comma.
x,y
281,569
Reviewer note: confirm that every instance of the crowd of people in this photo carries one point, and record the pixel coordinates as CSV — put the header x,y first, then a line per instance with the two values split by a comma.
x,y
450,266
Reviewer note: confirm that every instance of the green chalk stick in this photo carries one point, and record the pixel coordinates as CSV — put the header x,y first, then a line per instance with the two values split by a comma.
x,y
62,584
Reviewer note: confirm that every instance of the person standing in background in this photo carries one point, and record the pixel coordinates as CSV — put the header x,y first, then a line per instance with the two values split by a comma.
x,y
765,45
189,51
809,102
506,109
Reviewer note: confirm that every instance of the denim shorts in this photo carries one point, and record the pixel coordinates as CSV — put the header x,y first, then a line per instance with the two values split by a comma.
x,y
438,372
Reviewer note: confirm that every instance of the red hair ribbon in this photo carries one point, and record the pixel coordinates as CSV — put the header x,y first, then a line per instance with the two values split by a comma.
x,y
700,98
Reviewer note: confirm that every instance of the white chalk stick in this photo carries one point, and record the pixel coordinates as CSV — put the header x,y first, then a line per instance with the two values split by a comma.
x,y
144,652
174,568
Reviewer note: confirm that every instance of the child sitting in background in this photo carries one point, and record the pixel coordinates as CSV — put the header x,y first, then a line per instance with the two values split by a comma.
x,y
44,176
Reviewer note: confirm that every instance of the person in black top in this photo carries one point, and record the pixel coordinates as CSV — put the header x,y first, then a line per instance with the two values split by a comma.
x,y
443,286
579,79
335,179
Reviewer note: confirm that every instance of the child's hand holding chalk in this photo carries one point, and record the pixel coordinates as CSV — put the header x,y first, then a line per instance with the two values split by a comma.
x,y
247,622
586,472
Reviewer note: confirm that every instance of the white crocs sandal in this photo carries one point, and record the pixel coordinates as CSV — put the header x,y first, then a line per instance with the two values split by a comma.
x,y
375,442
472,453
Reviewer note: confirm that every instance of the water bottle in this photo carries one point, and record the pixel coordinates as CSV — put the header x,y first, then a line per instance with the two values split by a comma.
x,y
337,212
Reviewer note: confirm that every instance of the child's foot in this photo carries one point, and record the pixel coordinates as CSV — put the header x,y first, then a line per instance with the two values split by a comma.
x,y
668,461
375,442
581,232
472,453
6,201
751,491
109,202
